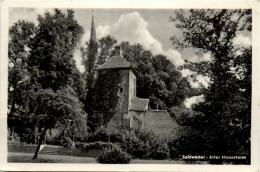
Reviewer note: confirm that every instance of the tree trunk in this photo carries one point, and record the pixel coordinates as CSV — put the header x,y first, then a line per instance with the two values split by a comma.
x,y
12,109
40,142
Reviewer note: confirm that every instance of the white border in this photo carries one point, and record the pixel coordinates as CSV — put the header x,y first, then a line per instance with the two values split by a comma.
x,y
127,4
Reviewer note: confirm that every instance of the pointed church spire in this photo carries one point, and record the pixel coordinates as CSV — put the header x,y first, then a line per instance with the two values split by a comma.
x,y
93,36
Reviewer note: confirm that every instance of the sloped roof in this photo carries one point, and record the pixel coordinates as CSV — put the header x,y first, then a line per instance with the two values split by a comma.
x,y
115,62
138,104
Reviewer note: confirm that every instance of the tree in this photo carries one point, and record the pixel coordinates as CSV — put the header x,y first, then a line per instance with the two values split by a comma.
x,y
158,78
106,44
52,49
223,116
52,107
43,72
19,84
20,34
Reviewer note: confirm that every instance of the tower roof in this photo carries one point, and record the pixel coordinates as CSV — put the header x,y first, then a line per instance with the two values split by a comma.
x,y
115,62
93,36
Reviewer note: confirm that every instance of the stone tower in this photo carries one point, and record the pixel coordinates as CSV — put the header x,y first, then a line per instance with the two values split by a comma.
x,y
128,102
127,88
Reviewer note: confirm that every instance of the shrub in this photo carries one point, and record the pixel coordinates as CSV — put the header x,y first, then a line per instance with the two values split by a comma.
x,y
115,155
180,146
59,141
136,148
103,136
94,145
116,137
97,145
159,151
79,145
146,145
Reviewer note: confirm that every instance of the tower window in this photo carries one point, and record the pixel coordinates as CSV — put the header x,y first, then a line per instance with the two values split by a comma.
x,y
121,89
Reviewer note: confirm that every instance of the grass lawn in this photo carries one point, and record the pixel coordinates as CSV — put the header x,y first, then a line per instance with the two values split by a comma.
x,y
27,158
58,154
55,150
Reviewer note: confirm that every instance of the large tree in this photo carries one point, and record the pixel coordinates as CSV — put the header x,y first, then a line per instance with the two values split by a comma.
x,y
222,122
19,86
42,72
52,49
52,107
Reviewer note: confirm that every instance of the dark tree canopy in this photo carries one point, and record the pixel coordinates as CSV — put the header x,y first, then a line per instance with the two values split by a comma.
x,y
42,73
158,78
21,35
104,98
106,44
222,122
52,49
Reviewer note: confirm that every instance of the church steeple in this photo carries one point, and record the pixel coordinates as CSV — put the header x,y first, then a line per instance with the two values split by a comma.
x,y
93,36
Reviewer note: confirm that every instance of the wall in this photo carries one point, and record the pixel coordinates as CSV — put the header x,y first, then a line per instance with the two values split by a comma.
x,y
138,120
117,119
124,97
132,87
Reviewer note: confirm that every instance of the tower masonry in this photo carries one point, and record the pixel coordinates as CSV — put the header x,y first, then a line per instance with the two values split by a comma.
x,y
129,105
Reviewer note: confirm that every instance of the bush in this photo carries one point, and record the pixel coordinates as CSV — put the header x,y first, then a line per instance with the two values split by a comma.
x,y
181,146
159,151
103,136
94,145
115,155
146,145
97,145
136,148
59,141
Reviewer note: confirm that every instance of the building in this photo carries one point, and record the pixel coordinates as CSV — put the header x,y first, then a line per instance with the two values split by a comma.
x,y
133,112
131,109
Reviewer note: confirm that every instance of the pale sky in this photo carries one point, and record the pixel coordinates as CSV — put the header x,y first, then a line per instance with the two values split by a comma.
x,y
157,20
149,27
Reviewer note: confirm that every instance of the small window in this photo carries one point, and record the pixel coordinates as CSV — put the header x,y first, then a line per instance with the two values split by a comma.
x,y
121,89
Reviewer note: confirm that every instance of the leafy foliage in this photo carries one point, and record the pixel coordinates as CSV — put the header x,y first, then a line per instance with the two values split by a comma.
x,y
19,86
94,145
158,79
101,98
106,45
104,98
145,145
41,71
222,123
114,156
105,135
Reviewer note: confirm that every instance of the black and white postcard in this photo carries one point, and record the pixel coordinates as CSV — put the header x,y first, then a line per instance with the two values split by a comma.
x,y
128,86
